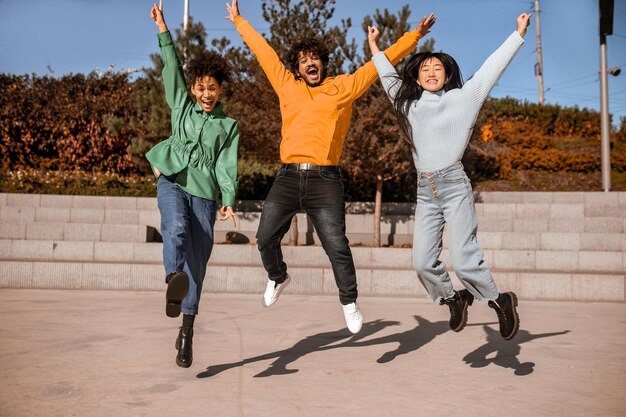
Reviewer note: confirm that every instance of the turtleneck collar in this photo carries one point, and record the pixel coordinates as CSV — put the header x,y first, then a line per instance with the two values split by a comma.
x,y
430,96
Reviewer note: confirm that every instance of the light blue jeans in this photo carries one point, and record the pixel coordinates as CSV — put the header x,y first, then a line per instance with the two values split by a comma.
x,y
445,197
187,228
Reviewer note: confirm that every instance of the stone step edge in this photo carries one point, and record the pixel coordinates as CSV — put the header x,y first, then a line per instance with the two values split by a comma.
x,y
246,280
293,265
563,236
491,197
364,257
132,216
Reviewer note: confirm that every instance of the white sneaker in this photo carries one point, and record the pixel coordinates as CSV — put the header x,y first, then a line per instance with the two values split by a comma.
x,y
354,318
273,290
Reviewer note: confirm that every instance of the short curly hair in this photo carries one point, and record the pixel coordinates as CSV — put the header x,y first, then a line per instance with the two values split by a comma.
x,y
310,45
208,64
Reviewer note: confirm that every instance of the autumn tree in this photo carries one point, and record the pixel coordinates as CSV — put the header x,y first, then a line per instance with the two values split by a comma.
x,y
73,122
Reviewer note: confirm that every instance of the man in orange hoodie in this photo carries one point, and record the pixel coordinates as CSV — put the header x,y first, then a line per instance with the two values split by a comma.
x,y
316,112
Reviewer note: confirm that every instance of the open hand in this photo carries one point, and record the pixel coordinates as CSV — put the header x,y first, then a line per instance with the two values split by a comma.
x,y
427,22
228,213
523,21
233,10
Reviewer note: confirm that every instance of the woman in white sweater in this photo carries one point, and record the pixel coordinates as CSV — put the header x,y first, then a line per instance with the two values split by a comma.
x,y
437,112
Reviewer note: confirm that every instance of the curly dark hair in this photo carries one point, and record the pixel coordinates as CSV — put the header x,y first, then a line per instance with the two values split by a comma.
x,y
310,45
208,64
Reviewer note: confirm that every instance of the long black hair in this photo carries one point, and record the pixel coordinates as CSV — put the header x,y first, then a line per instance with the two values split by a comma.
x,y
411,91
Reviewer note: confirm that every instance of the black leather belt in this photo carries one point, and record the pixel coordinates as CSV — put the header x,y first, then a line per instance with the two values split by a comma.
x,y
311,167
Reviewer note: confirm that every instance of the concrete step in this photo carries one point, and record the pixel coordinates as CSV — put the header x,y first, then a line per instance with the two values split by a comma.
x,y
78,232
565,246
311,256
306,281
365,221
610,240
613,198
605,241
492,204
13,221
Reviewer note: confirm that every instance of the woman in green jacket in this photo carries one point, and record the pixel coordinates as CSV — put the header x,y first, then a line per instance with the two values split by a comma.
x,y
192,166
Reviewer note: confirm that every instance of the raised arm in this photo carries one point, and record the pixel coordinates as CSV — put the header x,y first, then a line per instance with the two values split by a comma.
x,y
173,77
274,69
492,69
386,71
365,76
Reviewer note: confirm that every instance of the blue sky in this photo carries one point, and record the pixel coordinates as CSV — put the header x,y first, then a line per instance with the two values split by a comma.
x,y
79,36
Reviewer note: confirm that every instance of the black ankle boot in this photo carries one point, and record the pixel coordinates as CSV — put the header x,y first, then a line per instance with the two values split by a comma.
x,y
505,306
458,308
183,344
177,288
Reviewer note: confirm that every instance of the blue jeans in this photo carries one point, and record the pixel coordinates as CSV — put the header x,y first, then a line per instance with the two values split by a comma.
x,y
187,228
445,197
318,193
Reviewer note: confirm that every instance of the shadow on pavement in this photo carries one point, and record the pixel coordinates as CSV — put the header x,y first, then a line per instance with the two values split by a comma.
x,y
506,351
314,343
423,333
408,341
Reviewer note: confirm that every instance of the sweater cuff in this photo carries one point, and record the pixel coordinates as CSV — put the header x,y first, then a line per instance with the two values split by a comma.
x,y
517,37
228,201
165,38
380,59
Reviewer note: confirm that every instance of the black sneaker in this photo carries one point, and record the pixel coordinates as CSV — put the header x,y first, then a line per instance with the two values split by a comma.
x,y
505,306
458,308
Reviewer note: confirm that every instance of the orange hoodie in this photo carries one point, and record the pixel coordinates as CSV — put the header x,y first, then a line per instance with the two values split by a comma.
x,y
316,119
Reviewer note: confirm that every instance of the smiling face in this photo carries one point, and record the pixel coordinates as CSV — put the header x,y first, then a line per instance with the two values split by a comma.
x,y
310,68
207,91
432,75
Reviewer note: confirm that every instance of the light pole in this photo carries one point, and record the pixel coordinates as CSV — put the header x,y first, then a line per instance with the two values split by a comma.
x,y
185,24
539,64
606,28
186,16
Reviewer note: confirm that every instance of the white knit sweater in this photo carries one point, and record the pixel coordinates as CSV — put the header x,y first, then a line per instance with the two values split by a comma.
x,y
442,122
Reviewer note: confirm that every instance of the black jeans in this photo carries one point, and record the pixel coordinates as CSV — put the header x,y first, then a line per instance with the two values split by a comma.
x,y
318,193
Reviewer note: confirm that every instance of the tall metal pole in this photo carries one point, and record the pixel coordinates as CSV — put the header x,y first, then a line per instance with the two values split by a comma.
x,y
606,28
185,24
605,142
539,64
186,16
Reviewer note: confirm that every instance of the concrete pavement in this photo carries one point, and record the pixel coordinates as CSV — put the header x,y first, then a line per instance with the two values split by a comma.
x,y
100,353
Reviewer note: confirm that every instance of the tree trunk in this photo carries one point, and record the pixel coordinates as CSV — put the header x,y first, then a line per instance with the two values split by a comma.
x,y
293,231
378,206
